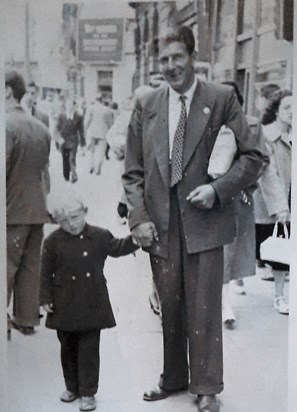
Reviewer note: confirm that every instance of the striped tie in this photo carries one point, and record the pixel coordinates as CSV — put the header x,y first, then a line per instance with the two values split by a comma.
x,y
177,147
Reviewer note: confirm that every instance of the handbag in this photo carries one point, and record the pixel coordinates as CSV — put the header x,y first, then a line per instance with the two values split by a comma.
x,y
223,152
276,249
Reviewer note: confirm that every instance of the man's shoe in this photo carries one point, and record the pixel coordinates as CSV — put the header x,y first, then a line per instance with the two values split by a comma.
x,y
68,396
87,403
25,330
155,394
208,404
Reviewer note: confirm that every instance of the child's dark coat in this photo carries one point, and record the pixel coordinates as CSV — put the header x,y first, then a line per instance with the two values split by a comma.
x,y
72,278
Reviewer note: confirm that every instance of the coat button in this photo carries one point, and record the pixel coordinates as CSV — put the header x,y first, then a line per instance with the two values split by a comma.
x,y
88,275
85,253
53,275
73,277
81,236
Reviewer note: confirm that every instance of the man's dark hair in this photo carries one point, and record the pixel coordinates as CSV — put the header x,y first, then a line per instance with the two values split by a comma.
x,y
182,34
273,107
15,80
236,89
268,90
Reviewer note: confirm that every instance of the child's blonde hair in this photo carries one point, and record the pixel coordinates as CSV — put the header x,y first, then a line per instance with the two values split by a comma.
x,y
66,202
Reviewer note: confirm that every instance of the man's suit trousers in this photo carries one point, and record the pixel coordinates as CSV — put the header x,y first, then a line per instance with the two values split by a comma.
x,y
190,290
23,260
69,162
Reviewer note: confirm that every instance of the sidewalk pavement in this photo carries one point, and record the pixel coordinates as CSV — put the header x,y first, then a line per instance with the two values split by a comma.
x,y
255,353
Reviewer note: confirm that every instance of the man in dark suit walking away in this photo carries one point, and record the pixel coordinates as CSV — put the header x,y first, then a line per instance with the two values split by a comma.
x,y
27,157
68,133
182,217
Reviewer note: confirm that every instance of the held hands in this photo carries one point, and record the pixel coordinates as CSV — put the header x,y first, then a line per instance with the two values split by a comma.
x,y
144,234
48,307
202,197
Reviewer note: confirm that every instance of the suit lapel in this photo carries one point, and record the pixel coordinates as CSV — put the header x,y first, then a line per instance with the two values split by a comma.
x,y
198,118
160,134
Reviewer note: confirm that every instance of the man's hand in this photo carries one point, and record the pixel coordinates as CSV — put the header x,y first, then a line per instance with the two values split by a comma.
x,y
283,217
48,307
144,234
202,197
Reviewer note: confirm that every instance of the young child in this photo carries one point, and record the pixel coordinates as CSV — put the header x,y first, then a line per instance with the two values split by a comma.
x,y
74,295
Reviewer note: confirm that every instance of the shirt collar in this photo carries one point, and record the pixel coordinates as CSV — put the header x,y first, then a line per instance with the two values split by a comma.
x,y
273,134
189,94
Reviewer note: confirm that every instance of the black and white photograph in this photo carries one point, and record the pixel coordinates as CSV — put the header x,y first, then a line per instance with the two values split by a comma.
x,y
148,206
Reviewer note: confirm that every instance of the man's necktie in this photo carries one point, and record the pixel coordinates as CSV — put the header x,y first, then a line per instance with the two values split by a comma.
x,y
177,147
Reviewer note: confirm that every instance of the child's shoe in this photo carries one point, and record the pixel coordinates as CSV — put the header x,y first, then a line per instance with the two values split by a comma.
x,y
68,396
87,403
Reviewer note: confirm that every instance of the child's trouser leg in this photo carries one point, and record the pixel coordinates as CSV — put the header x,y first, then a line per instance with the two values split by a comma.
x,y
88,362
69,359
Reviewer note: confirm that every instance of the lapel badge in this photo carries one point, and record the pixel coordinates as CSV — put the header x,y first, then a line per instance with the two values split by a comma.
x,y
206,110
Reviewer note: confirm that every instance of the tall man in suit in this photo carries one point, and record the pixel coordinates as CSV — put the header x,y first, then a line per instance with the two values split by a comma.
x,y
27,156
181,217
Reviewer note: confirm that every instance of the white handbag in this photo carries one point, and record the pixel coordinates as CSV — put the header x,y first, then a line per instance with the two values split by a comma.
x,y
276,249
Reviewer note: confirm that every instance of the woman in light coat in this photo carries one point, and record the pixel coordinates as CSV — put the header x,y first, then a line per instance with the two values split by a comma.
x,y
271,199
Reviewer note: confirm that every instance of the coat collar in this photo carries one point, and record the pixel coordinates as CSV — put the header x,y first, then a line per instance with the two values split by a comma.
x,y
198,118
273,134
16,107
160,132
87,231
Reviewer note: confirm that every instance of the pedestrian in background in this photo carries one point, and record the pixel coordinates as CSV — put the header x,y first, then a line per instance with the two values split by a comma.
x,y
99,121
239,256
27,156
30,104
74,294
262,101
182,219
69,131
82,110
272,197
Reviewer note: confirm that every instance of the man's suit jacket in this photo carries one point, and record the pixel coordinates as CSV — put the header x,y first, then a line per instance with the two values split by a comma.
x,y
71,130
146,177
27,156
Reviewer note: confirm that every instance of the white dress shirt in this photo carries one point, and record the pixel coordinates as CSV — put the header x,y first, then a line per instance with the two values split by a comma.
x,y
174,109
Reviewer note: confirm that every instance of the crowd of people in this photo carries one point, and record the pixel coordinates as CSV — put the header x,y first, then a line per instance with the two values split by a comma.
x,y
201,186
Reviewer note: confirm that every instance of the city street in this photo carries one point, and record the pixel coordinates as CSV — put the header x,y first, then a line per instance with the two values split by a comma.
x,y
255,352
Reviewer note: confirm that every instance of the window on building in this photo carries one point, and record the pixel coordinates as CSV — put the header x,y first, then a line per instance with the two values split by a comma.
x,y
284,19
104,83
240,17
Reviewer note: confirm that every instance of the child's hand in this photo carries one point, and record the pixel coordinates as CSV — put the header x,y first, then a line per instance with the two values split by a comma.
x,y
48,307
